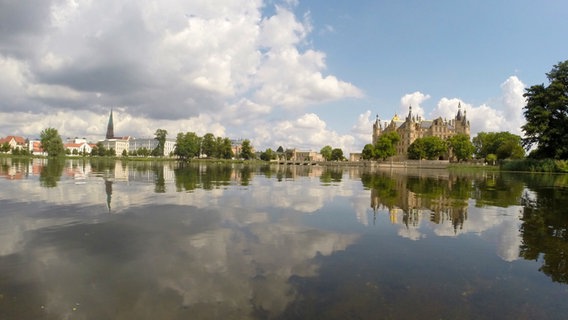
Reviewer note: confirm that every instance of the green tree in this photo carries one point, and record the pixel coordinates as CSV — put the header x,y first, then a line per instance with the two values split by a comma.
x,y
326,152
160,135
337,155
268,155
504,145
225,149
5,147
246,150
461,146
208,145
280,149
435,147
546,113
187,145
368,152
417,150
51,142
386,145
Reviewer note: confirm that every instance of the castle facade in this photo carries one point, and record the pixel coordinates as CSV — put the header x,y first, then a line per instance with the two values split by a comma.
x,y
414,127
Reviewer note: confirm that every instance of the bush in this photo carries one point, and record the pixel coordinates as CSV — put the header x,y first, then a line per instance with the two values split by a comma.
x,y
533,165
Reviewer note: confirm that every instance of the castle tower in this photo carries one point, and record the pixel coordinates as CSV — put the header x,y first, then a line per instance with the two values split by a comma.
x,y
110,127
461,123
376,129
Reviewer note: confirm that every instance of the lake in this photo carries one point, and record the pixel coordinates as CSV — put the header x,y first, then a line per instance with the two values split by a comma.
x,y
150,240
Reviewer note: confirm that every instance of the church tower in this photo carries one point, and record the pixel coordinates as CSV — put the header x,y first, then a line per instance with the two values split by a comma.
x,y
110,127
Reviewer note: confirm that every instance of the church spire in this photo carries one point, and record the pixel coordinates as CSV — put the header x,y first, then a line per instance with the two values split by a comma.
x,y
110,127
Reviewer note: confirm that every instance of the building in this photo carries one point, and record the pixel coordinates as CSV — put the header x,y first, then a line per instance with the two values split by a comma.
x,y
78,146
151,144
15,142
306,156
414,127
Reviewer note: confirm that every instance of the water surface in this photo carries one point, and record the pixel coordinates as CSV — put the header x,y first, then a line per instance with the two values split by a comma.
x,y
112,240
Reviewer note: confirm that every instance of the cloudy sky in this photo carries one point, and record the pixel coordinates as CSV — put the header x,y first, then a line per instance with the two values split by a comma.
x,y
288,73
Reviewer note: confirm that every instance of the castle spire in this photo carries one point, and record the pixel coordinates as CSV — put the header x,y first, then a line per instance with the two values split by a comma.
x,y
459,115
110,127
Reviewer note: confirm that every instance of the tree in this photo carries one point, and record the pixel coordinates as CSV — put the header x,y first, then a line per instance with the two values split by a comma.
x,y
504,145
368,152
386,145
5,147
434,147
208,145
461,147
51,142
337,155
225,149
187,145
160,135
268,155
546,113
417,150
326,152
280,149
246,150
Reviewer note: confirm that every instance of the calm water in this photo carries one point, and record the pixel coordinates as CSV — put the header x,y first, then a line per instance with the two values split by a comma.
x,y
81,240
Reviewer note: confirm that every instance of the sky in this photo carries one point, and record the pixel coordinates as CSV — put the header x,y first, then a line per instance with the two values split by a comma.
x,y
291,73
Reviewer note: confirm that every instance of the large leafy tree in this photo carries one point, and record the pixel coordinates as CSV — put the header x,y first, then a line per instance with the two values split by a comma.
x,y
504,145
337,154
246,150
386,145
368,152
51,142
187,145
326,152
461,146
546,113
417,150
209,145
160,135
430,148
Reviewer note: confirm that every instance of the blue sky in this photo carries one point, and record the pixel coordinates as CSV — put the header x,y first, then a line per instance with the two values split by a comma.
x,y
301,74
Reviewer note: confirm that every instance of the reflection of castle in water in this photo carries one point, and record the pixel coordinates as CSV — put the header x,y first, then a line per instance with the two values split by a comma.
x,y
410,199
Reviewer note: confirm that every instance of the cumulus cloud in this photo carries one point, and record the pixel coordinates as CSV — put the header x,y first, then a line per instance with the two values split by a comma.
x,y
505,114
308,132
413,100
201,66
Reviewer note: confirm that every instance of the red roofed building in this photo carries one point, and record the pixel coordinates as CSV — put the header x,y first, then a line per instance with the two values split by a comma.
x,y
15,142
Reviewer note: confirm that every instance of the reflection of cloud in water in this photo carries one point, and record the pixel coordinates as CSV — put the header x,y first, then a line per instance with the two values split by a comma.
x,y
177,259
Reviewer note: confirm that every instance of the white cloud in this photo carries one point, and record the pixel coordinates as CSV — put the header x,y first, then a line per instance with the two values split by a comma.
x,y
505,115
513,103
202,66
413,100
308,132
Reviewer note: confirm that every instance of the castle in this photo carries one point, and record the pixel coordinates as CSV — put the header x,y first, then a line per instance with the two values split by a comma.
x,y
414,127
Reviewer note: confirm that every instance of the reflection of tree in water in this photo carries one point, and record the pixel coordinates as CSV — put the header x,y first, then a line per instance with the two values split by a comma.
x,y
545,224
108,191
51,172
189,177
160,182
330,175
497,189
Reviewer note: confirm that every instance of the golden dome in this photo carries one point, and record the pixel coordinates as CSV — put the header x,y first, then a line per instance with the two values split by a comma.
x,y
395,118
